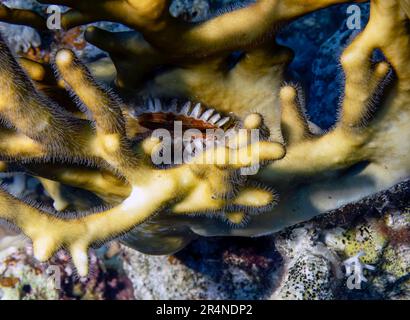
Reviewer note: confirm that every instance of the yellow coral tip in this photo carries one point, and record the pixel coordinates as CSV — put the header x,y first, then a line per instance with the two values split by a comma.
x,y
64,56
150,144
253,121
80,260
111,142
236,217
91,29
60,204
43,249
274,151
288,93
35,70
90,33
382,68
255,198
3,166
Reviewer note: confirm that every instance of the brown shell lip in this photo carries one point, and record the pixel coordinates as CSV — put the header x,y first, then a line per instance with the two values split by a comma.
x,y
166,121
159,115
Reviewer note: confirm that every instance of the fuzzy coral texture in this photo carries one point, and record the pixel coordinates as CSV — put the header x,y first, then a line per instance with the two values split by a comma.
x,y
73,145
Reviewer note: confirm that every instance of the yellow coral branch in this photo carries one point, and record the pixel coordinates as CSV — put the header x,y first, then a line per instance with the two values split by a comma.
x,y
23,17
371,142
228,32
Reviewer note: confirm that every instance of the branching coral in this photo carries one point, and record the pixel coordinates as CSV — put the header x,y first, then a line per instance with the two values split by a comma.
x,y
24,17
106,149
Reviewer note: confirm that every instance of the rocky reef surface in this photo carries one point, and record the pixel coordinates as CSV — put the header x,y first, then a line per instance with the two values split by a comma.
x,y
307,261
24,278
361,251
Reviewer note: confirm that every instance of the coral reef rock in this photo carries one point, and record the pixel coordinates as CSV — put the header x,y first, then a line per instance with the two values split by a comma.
x,y
303,262
24,278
